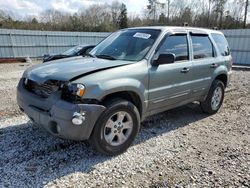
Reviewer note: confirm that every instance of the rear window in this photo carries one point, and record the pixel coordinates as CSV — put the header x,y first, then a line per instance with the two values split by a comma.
x,y
202,47
221,43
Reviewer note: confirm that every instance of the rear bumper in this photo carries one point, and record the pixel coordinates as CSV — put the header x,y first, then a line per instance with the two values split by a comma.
x,y
55,115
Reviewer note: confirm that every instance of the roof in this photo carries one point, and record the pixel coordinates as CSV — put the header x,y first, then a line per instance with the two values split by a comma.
x,y
84,45
178,28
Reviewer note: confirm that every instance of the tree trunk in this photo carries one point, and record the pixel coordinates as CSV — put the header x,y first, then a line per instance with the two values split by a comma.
x,y
245,17
168,9
208,13
221,19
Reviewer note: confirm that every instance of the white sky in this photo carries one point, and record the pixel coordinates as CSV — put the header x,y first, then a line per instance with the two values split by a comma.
x,y
22,8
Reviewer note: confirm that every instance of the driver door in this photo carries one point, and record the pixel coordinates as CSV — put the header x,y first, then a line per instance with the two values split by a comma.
x,y
171,84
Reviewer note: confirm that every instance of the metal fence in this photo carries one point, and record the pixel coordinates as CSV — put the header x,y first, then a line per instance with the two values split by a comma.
x,y
24,43
239,42
27,43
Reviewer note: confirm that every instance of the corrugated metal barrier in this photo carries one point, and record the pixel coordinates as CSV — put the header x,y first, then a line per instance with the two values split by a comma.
x,y
239,42
24,43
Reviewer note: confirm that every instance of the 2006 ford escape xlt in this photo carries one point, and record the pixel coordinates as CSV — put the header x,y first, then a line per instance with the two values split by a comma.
x,y
132,74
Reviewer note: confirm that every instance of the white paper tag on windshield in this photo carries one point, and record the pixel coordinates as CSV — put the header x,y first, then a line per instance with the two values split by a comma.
x,y
142,35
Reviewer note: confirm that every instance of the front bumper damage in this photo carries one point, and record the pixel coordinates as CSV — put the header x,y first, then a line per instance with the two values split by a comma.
x,y
55,115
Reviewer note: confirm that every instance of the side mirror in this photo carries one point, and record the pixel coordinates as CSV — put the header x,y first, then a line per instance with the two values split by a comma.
x,y
167,58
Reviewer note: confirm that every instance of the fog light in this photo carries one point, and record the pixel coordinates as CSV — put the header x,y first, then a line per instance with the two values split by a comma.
x,y
77,118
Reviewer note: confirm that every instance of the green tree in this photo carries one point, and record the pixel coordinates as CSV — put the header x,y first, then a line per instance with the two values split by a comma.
x,y
123,19
162,19
219,6
186,15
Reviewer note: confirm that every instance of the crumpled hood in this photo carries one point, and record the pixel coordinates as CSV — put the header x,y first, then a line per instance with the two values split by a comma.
x,y
67,69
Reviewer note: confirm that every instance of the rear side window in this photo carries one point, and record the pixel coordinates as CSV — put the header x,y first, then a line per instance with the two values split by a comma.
x,y
176,44
221,43
202,47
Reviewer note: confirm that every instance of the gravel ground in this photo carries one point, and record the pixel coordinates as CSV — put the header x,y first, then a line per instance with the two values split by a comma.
x,y
179,148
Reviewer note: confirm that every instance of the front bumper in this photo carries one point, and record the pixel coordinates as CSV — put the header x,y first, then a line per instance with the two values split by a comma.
x,y
55,115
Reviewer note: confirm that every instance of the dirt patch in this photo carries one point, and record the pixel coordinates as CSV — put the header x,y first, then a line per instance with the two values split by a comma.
x,y
12,60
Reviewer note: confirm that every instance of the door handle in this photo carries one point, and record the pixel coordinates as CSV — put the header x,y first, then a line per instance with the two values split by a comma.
x,y
214,65
185,70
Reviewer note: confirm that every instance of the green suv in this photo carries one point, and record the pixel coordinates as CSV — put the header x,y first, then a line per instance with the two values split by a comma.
x,y
132,74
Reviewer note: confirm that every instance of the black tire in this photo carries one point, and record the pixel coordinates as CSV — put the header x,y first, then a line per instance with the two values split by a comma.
x,y
98,140
206,105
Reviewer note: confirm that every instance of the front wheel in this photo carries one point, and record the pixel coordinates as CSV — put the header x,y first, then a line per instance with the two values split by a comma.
x,y
116,128
214,98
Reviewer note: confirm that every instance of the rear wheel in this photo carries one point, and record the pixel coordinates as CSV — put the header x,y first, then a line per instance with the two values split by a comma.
x,y
116,128
214,98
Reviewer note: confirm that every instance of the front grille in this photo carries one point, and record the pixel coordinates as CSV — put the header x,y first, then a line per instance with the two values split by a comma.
x,y
43,90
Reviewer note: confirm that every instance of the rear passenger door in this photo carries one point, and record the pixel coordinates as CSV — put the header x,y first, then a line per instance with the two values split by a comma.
x,y
204,62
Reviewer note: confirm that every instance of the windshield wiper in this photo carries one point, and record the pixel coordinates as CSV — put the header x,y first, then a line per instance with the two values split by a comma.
x,y
104,56
90,55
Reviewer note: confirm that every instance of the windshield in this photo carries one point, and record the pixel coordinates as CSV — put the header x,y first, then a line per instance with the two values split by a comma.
x,y
72,51
129,45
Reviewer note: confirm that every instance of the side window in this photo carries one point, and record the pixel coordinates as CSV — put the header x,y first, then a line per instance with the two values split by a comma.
x,y
202,47
176,44
221,43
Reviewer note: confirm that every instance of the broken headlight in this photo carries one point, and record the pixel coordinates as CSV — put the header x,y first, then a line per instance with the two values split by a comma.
x,y
73,92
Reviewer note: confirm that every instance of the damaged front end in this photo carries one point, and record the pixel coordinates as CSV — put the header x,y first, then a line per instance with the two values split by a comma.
x,y
43,90
58,107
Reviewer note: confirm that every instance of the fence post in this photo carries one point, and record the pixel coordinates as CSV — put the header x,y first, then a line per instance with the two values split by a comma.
x,y
47,43
78,39
12,45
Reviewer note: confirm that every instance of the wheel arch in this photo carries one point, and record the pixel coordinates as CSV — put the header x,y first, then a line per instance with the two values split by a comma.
x,y
222,77
131,96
